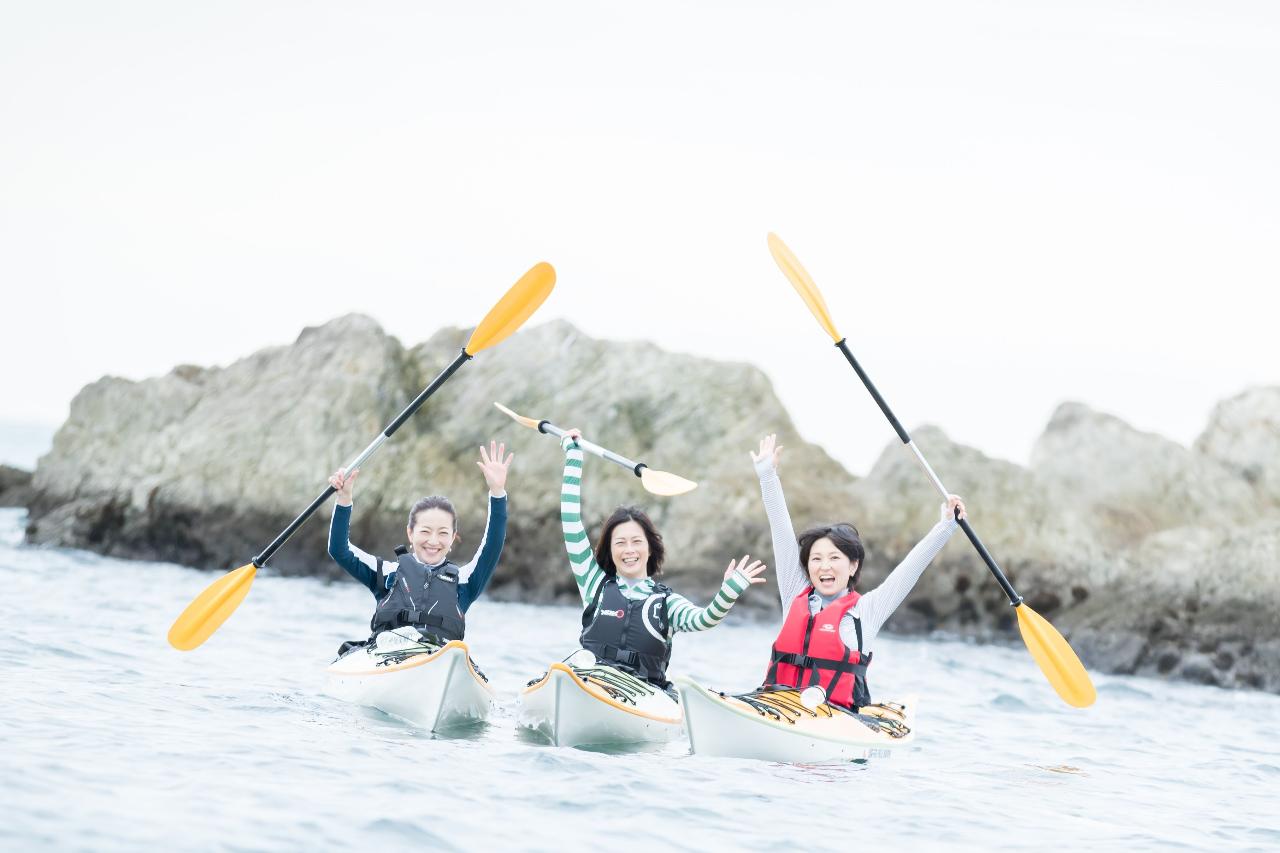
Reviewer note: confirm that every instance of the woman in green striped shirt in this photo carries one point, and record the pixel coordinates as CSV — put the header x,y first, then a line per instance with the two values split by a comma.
x,y
629,619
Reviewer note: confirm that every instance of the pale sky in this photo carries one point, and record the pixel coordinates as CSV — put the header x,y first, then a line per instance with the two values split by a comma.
x,y
1007,205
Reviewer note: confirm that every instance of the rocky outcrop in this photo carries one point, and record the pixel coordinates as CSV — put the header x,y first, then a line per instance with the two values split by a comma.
x,y
1150,557
205,466
1134,484
1244,435
1193,602
1044,544
15,486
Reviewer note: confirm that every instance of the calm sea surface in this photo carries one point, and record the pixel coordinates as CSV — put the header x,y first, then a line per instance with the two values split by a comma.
x,y
110,740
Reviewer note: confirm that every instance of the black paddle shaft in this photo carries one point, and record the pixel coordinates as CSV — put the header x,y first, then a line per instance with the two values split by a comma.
x,y
1014,598
462,358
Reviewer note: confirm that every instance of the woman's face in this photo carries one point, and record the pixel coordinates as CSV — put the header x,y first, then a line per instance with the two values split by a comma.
x,y
829,569
432,535
630,549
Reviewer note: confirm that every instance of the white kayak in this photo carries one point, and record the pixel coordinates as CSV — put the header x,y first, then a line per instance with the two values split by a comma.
x,y
598,706
436,687
774,725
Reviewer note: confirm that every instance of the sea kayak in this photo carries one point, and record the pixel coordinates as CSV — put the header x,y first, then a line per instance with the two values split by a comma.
x,y
433,686
774,725
598,706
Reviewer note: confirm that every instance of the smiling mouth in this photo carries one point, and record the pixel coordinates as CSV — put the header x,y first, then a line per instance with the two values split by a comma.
x,y
630,562
826,578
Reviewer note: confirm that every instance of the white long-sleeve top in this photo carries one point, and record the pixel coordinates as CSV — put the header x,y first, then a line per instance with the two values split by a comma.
x,y
875,607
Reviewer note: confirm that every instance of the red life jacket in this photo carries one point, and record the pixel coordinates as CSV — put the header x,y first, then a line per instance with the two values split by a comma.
x,y
809,651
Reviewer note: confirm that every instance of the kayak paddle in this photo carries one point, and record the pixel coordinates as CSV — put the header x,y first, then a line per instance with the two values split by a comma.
x,y
219,600
655,482
1051,652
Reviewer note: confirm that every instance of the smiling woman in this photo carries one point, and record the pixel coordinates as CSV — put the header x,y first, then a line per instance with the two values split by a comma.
x,y
630,619
829,629
421,589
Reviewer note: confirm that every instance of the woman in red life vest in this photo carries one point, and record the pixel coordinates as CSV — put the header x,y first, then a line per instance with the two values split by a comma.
x,y
829,630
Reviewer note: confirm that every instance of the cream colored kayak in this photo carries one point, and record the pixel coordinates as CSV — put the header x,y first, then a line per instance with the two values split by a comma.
x,y
774,725
436,687
598,706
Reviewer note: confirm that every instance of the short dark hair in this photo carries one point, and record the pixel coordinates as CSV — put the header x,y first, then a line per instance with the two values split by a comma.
x,y
433,502
843,536
621,515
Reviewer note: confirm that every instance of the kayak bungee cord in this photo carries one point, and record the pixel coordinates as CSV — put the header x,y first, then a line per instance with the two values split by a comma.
x,y
1050,651
426,646
786,706
618,684
625,693
218,601
782,704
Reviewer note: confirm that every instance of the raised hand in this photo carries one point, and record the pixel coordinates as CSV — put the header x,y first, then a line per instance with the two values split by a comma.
x,y
343,482
751,571
495,467
949,508
769,449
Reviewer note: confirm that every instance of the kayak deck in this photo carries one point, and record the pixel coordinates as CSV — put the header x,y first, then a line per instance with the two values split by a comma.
x,y
773,725
598,705
430,685
784,706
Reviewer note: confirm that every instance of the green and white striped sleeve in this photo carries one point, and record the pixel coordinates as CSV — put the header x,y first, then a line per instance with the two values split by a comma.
x,y
582,560
686,616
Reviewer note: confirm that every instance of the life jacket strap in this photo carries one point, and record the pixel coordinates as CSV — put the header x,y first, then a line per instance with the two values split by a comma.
x,y
811,663
589,613
622,656
418,618
771,677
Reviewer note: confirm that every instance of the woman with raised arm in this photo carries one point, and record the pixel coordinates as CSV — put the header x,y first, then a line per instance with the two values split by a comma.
x,y
421,588
629,617
829,630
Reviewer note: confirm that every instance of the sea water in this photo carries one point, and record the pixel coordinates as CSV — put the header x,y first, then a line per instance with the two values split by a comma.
x,y
111,740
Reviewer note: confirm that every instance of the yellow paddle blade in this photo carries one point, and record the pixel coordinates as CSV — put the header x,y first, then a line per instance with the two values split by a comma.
x,y
1055,658
803,283
665,484
211,608
520,419
515,306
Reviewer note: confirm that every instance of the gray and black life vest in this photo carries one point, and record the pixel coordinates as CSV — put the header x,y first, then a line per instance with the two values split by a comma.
x,y
424,597
629,634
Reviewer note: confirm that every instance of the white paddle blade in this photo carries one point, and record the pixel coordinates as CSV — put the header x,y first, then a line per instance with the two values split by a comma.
x,y
520,419
664,483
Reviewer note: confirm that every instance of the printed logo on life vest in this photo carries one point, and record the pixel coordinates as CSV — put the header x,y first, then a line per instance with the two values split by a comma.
x,y
617,614
654,622
827,628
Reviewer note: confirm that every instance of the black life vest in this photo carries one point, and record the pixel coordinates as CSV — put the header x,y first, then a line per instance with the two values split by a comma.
x,y
629,634
425,597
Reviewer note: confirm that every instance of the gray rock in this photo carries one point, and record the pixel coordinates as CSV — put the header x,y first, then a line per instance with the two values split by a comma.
x,y
1044,545
15,486
1244,435
1149,557
205,466
1132,483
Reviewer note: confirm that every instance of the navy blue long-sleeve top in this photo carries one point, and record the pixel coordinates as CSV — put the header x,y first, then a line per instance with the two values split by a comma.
x,y
472,578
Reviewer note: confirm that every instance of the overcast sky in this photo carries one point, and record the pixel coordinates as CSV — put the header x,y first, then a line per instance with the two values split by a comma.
x,y
1007,205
